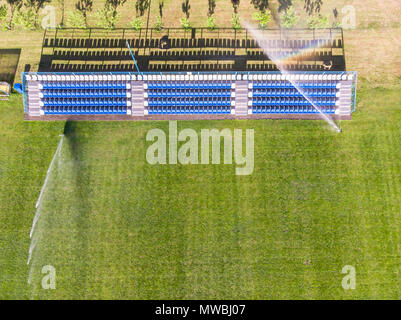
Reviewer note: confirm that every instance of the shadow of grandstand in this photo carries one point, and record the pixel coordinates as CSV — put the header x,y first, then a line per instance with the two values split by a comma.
x,y
99,50
9,59
79,176
70,135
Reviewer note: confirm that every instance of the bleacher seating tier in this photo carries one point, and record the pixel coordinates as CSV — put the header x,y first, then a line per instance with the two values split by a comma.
x,y
187,93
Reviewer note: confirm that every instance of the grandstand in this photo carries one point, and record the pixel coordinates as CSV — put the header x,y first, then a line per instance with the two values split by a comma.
x,y
213,95
196,74
174,50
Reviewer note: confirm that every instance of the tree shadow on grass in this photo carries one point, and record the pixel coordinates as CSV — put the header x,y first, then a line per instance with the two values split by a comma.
x,y
284,5
313,6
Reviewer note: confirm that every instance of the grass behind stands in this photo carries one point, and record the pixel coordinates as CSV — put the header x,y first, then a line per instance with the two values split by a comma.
x,y
371,49
116,227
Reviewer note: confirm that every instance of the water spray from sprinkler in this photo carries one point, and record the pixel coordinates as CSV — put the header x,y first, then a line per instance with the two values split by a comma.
x,y
278,60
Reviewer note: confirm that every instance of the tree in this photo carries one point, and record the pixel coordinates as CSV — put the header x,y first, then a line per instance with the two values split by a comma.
x,y
113,5
137,23
288,18
261,5
211,23
14,5
318,21
75,19
263,18
25,19
159,25
36,5
84,6
235,21
108,16
141,6
3,17
105,17
212,6
235,4
186,7
185,24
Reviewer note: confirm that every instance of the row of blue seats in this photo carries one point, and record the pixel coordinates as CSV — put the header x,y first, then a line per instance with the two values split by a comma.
x,y
300,104
184,93
71,85
189,85
84,93
85,102
85,110
294,93
292,101
302,98
200,103
277,109
289,85
190,110
189,98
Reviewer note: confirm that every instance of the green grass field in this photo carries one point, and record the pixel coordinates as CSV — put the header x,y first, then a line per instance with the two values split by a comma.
x,y
115,226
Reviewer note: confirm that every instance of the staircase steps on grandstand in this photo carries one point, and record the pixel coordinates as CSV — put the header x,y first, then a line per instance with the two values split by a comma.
x,y
34,98
241,98
345,99
138,101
